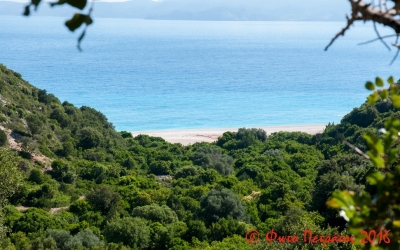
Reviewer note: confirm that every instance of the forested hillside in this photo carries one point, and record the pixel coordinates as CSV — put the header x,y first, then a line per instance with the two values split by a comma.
x,y
86,186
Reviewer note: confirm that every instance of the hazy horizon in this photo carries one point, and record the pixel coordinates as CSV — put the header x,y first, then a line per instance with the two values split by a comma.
x,y
212,10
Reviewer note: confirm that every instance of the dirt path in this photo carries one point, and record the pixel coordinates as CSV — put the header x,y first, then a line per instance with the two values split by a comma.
x,y
53,210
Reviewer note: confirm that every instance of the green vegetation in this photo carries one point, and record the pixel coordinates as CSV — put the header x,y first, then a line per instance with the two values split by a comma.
x,y
90,187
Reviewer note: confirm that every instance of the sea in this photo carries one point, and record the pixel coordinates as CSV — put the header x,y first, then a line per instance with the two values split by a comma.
x,y
147,75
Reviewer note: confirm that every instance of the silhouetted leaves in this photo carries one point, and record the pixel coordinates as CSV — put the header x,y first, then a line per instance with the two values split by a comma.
x,y
77,20
27,8
369,86
379,82
80,4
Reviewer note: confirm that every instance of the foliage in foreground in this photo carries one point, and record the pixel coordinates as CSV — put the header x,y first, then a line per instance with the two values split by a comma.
x,y
378,210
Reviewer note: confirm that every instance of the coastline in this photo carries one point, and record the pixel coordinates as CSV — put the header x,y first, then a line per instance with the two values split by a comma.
x,y
191,136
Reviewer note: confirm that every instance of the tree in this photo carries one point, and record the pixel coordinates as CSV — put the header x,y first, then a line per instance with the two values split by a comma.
x,y
10,175
36,176
160,168
3,138
130,231
88,238
63,171
198,229
362,117
62,237
156,213
226,228
218,204
89,138
34,220
325,186
186,172
41,243
212,157
247,136
65,241
104,199
11,178
34,123
20,240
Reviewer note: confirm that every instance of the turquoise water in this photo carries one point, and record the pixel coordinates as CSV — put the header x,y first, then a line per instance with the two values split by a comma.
x,y
152,75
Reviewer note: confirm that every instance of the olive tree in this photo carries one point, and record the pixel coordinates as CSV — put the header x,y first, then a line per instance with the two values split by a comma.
x,y
218,204
212,157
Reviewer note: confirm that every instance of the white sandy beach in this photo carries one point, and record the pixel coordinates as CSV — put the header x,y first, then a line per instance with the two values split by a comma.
x,y
191,136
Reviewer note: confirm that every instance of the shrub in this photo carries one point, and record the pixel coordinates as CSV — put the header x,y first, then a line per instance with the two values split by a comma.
x,y
218,204
186,172
212,157
88,238
125,134
363,116
36,176
89,138
3,138
160,168
63,172
130,231
156,213
103,199
258,134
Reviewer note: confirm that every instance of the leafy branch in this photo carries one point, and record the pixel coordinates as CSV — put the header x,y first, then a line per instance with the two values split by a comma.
x,y
381,209
75,22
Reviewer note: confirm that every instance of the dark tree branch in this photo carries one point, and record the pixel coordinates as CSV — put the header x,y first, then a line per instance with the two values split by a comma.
x,y
380,38
398,50
350,21
377,14
368,13
376,39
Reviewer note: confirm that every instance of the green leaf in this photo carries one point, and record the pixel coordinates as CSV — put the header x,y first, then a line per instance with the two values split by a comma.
x,y
376,159
392,123
369,86
396,100
376,149
362,199
392,156
333,203
341,199
390,80
393,89
379,82
375,177
77,20
396,223
371,139
384,94
373,98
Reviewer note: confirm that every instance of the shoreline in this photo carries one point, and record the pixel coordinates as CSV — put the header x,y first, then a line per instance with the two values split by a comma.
x,y
191,136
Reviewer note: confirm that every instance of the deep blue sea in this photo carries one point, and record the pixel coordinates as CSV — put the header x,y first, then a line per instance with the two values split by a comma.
x,y
155,75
